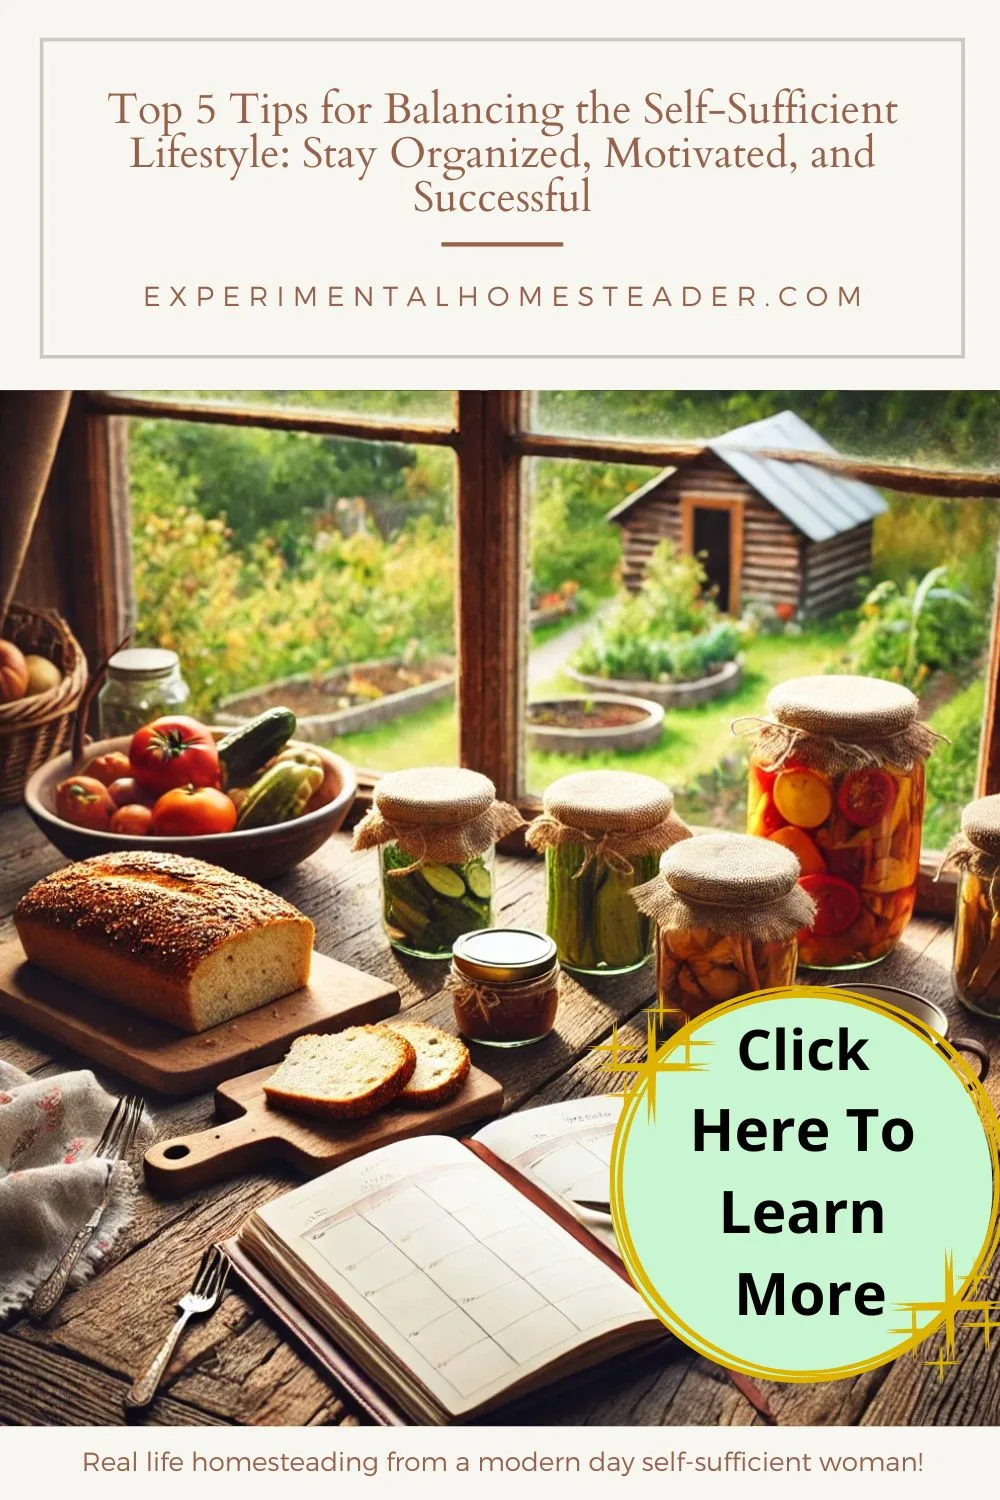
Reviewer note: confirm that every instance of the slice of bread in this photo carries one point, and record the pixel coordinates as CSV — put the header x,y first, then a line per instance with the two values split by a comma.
x,y
344,1075
442,1064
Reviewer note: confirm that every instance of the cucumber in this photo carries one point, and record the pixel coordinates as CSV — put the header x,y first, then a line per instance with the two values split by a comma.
x,y
479,880
279,795
443,879
244,750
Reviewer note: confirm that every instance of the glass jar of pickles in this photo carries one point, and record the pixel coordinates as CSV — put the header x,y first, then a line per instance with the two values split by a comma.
x,y
505,984
141,684
728,910
837,777
602,833
976,853
435,829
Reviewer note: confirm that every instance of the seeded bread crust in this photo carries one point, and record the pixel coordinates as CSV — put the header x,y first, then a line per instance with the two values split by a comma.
x,y
442,1064
342,1076
167,936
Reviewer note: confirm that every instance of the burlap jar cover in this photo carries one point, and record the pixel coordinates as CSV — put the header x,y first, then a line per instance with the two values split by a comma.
x,y
839,723
976,849
436,813
613,816
731,884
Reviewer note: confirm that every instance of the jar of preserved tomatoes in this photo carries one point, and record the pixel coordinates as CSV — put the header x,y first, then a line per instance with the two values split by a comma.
x,y
728,911
837,777
602,833
976,853
435,829
505,984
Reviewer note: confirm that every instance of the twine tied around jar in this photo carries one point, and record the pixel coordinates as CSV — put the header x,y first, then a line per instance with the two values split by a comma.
x,y
469,995
975,850
839,723
613,816
435,813
731,884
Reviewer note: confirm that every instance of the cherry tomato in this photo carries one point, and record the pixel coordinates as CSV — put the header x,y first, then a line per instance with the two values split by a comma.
x,y
837,903
866,796
109,768
126,792
190,810
132,818
802,798
174,752
85,802
811,862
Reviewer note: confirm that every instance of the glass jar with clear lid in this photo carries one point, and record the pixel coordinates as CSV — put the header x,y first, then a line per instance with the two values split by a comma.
x,y
435,829
142,683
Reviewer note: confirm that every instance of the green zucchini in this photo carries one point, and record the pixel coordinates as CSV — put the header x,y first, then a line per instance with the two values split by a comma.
x,y
279,795
244,750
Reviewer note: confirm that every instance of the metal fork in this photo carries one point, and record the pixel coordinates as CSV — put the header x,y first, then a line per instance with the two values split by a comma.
x,y
205,1294
114,1145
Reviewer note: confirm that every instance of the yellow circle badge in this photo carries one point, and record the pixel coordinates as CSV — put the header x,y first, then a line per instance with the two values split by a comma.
x,y
805,1185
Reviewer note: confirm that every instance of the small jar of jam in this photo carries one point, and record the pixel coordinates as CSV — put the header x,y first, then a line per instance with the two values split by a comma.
x,y
505,984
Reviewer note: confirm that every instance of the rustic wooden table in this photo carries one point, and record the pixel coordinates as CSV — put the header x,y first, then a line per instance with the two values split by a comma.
x,y
237,1367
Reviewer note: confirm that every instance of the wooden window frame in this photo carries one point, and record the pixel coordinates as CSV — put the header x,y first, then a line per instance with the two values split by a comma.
x,y
492,439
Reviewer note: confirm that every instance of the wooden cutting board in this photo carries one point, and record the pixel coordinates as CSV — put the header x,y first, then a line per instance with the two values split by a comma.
x,y
252,1133
158,1057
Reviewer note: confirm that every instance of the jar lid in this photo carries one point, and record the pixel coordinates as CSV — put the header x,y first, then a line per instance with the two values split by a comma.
x,y
434,796
606,801
981,823
495,954
143,661
845,706
730,869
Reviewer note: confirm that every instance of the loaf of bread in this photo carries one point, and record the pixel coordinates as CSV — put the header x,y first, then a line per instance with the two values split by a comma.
x,y
343,1076
170,937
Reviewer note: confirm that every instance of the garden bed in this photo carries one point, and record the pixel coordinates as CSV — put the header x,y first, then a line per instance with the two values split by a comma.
x,y
578,726
718,684
350,700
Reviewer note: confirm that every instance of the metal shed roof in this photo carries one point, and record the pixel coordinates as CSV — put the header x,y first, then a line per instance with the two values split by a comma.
x,y
819,504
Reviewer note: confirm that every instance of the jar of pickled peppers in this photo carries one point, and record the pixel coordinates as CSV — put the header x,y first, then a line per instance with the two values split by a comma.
x,y
435,829
728,911
976,853
602,833
837,777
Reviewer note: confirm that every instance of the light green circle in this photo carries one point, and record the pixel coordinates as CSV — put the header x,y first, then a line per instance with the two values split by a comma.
x,y
938,1198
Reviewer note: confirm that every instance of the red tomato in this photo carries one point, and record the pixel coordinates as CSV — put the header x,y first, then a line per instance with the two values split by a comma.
x,y
837,903
174,752
132,818
190,810
83,801
866,796
126,792
108,768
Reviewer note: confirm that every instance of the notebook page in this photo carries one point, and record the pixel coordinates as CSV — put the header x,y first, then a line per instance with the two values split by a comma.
x,y
563,1148
467,1282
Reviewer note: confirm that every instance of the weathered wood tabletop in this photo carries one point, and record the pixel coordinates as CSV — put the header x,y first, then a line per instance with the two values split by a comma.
x,y
237,1367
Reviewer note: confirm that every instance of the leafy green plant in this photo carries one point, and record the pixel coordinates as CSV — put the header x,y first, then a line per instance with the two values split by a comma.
x,y
906,633
669,630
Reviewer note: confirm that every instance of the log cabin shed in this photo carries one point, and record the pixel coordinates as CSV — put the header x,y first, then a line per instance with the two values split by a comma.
x,y
769,532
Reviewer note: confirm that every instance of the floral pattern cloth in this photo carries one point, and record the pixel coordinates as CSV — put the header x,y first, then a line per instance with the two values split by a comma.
x,y
49,1185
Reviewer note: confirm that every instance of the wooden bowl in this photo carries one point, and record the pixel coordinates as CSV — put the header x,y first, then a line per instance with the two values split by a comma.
x,y
258,853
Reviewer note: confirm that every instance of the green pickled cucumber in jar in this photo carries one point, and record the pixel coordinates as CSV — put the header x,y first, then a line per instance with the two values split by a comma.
x,y
602,833
426,909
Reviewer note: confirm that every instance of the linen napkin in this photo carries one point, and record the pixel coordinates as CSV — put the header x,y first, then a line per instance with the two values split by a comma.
x,y
48,1187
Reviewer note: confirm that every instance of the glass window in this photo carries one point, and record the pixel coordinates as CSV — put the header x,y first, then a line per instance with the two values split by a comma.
x,y
309,571
643,577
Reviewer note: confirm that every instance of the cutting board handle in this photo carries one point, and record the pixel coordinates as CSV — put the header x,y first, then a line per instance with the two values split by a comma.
x,y
194,1161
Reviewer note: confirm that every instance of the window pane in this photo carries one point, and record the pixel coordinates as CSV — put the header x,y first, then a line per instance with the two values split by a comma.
x,y
622,598
436,408
273,562
955,429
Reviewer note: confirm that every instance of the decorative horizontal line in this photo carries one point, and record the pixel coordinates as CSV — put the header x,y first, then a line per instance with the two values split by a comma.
x,y
502,244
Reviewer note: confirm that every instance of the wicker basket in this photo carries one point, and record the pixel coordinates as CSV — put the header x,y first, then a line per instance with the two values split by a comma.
x,y
33,730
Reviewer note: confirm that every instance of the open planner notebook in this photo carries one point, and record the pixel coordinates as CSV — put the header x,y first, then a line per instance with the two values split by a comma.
x,y
456,1277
